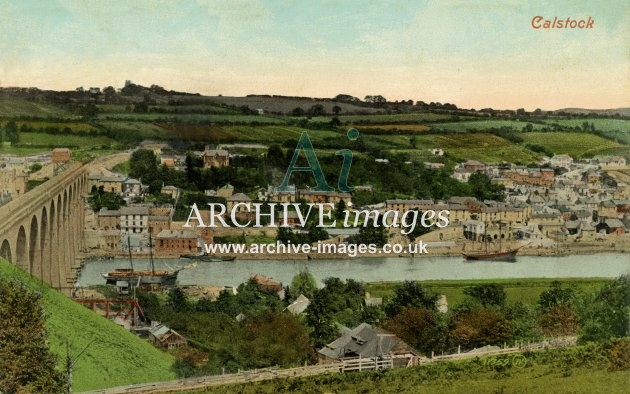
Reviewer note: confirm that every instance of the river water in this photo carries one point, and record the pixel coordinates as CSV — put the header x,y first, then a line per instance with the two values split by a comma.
x,y
232,273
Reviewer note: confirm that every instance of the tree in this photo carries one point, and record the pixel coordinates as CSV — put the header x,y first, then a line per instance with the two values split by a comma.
x,y
297,111
336,109
11,133
276,338
479,327
607,314
26,364
275,156
370,235
410,294
303,283
177,300
559,320
377,99
556,295
317,110
141,107
341,207
143,165
418,328
483,189
487,294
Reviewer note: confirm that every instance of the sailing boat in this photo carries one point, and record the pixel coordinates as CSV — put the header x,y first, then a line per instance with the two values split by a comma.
x,y
508,255
146,278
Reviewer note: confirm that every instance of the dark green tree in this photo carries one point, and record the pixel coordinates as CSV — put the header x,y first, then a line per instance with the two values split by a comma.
x,y
12,133
26,364
607,315
303,283
410,294
487,294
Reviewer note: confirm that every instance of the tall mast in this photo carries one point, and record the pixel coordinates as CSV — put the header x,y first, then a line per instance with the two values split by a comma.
x,y
129,249
151,253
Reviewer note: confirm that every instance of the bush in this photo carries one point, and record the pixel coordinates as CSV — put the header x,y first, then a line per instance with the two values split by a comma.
x,y
619,355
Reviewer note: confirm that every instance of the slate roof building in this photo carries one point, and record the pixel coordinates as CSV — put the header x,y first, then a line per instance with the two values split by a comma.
x,y
367,342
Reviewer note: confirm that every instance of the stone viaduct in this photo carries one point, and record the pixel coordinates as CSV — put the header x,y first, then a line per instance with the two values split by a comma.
x,y
41,231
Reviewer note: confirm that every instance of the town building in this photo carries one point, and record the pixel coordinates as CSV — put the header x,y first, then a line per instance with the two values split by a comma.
x,y
175,242
215,158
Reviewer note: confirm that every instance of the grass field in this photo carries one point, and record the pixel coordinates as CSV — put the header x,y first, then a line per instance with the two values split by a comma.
x,y
524,290
191,118
74,126
394,128
573,143
83,147
113,356
383,118
484,147
17,107
484,124
147,130
571,370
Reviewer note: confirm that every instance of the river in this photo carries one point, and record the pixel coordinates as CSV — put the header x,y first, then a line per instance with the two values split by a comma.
x,y
232,273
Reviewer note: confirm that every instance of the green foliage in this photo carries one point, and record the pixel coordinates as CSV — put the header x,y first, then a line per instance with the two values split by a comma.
x,y
303,283
35,167
115,358
11,133
26,363
607,315
481,187
556,295
487,294
410,294
370,235
101,199
619,355
276,338
479,327
542,372
338,302
420,328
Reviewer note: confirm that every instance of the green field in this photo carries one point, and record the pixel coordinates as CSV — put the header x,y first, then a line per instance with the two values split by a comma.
x,y
581,369
417,117
83,147
74,126
485,124
484,147
573,143
524,290
146,130
191,118
16,108
277,134
114,356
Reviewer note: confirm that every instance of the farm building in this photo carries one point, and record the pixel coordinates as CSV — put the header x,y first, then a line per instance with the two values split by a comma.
x,y
164,337
367,342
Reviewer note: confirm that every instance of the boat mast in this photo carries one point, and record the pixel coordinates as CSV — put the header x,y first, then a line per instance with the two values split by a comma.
x,y
151,253
129,249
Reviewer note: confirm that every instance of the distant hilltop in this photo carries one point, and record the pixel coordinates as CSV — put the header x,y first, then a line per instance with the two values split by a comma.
x,y
132,93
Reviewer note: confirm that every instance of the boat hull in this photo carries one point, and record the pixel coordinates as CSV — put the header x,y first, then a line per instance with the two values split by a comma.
x,y
509,255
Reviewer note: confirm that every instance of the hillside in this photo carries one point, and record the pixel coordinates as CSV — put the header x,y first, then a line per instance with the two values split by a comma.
x,y
116,357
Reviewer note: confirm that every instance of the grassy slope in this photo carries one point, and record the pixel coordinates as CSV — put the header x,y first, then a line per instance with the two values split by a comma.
x,y
116,357
525,290
574,144
17,107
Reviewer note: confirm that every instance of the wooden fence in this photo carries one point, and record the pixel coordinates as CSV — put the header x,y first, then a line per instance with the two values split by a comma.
x,y
345,365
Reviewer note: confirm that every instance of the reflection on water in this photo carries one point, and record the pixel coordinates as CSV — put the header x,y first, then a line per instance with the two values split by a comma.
x,y
232,273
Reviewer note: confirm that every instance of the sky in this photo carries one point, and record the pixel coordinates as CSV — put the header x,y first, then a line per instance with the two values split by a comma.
x,y
473,54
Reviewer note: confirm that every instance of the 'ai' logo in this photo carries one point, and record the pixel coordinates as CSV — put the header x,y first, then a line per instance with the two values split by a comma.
x,y
305,144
